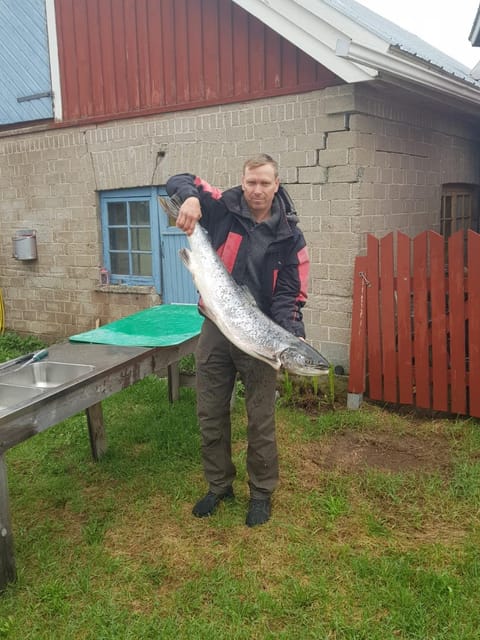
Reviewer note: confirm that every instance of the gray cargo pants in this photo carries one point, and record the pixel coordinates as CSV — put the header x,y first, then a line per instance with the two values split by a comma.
x,y
217,363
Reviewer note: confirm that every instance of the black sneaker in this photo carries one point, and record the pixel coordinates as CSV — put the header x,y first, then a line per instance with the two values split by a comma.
x,y
208,504
258,512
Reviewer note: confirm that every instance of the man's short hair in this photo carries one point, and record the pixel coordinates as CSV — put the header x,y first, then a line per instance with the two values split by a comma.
x,y
260,160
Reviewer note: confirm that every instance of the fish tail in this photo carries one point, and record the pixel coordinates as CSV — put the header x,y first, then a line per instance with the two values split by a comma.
x,y
171,205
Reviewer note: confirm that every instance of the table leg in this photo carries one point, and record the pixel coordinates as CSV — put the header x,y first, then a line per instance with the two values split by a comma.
x,y
7,556
96,430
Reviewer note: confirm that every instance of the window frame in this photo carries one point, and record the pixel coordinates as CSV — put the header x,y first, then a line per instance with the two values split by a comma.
x,y
469,193
139,194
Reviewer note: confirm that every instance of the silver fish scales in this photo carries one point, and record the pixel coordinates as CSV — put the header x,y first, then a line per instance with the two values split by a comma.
x,y
232,308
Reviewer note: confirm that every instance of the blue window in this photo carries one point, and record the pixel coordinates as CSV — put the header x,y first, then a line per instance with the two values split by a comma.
x,y
141,243
131,238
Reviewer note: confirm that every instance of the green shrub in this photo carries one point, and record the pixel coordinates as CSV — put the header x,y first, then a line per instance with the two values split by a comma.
x,y
13,345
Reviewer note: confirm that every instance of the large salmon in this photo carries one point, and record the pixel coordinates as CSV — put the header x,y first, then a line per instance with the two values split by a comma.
x,y
232,308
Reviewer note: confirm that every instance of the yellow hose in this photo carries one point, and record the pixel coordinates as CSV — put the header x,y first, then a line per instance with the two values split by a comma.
x,y
2,314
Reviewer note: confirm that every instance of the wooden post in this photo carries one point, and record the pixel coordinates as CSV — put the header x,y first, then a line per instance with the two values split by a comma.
x,y
358,339
7,556
96,430
173,372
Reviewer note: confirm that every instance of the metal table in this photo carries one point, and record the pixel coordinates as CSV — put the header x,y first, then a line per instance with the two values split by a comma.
x,y
115,368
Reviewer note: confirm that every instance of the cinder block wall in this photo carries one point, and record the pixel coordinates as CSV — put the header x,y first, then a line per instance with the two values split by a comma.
x,y
354,162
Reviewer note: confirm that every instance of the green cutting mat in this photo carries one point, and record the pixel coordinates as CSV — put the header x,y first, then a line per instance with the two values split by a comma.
x,y
161,326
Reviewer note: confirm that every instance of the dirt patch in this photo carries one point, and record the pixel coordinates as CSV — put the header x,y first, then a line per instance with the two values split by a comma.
x,y
382,450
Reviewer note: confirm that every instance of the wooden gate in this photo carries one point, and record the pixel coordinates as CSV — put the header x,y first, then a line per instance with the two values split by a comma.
x,y
416,322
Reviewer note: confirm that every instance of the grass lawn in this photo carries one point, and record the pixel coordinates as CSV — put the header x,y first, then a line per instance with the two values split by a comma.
x,y
374,533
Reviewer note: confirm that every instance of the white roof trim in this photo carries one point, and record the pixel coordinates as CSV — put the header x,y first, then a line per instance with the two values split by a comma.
x,y
316,28
474,36
407,70
309,32
54,62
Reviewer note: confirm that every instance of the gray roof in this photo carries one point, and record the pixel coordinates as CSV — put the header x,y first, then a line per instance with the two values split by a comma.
x,y
401,39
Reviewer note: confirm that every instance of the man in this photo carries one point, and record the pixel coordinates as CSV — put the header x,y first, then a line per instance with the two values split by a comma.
x,y
254,230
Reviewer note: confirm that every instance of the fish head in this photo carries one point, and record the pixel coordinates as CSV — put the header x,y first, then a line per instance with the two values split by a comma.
x,y
303,360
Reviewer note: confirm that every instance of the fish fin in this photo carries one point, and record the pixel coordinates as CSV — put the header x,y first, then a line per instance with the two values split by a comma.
x,y
273,362
185,255
206,312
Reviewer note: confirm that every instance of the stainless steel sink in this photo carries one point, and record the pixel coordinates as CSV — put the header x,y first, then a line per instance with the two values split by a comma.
x,y
45,374
11,395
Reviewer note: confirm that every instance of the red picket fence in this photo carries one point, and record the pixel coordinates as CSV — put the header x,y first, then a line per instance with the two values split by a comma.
x,y
416,322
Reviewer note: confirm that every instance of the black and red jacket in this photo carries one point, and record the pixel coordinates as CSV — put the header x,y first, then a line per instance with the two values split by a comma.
x,y
270,258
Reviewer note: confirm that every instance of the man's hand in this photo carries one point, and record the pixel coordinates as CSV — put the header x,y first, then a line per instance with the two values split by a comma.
x,y
188,215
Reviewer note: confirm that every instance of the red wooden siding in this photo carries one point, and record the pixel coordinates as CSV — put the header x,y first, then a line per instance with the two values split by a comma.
x,y
124,57
416,322
474,321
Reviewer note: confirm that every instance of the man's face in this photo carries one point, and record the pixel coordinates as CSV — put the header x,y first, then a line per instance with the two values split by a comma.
x,y
259,188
